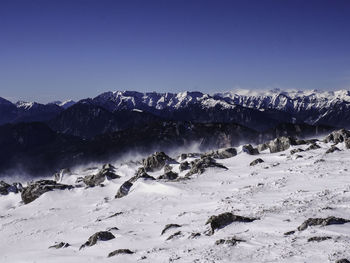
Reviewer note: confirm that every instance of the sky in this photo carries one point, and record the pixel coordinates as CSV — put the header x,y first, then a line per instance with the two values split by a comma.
x,y
73,49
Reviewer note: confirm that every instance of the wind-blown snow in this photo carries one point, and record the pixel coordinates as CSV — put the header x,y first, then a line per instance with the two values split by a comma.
x,y
283,192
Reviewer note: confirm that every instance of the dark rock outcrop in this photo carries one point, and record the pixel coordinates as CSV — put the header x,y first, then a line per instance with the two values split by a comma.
x,y
184,166
313,146
222,153
332,149
124,189
169,226
337,136
322,222
120,251
177,234
343,260
170,175
318,239
156,161
256,161
249,149
230,241
224,219
107,172
36,189
99,236
60,245
281,144
6,188
198,166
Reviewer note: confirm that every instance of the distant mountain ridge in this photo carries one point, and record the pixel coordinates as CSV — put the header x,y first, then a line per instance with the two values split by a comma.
x,y
113,111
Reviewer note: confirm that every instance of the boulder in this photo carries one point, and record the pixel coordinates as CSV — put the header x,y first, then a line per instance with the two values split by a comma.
x,y
256,161
337,136
313,146
99,236
184,166
347,143
323,222
156,161
177,234
60,245
281,144
249,149
169,226
230,241
224,219
107,172
124,189
222,153
169,176
198,166
318,239
262,147
332,149
36,189
6,188
120,251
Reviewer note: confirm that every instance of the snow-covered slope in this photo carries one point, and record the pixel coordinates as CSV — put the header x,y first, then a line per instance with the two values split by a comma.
x,y
281,193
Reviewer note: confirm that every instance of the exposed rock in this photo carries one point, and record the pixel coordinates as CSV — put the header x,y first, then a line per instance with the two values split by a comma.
x,y
231,241
194,235
289,233
313,146
177,234
318,239
169,226
169,176
60,245
347,143
332,149
224,219
141,173
222,153
343,260
337,136
249,149
113,228
107,171
256,161
36,189
6,188
120,251
199,165
296,151
281,144
167,168
184,166
99,236
262,147
63,173
124,189
94,179
156,161
323,222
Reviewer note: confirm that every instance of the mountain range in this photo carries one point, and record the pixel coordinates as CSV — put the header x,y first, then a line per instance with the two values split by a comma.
x,y
41,137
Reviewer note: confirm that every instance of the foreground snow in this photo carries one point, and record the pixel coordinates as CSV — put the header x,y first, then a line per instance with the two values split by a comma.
x,y
283,192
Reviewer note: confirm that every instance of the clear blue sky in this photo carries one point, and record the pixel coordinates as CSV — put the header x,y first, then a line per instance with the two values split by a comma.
x,y
58,49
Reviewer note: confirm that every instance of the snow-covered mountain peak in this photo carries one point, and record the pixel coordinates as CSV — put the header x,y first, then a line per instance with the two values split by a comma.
x,y
25,105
